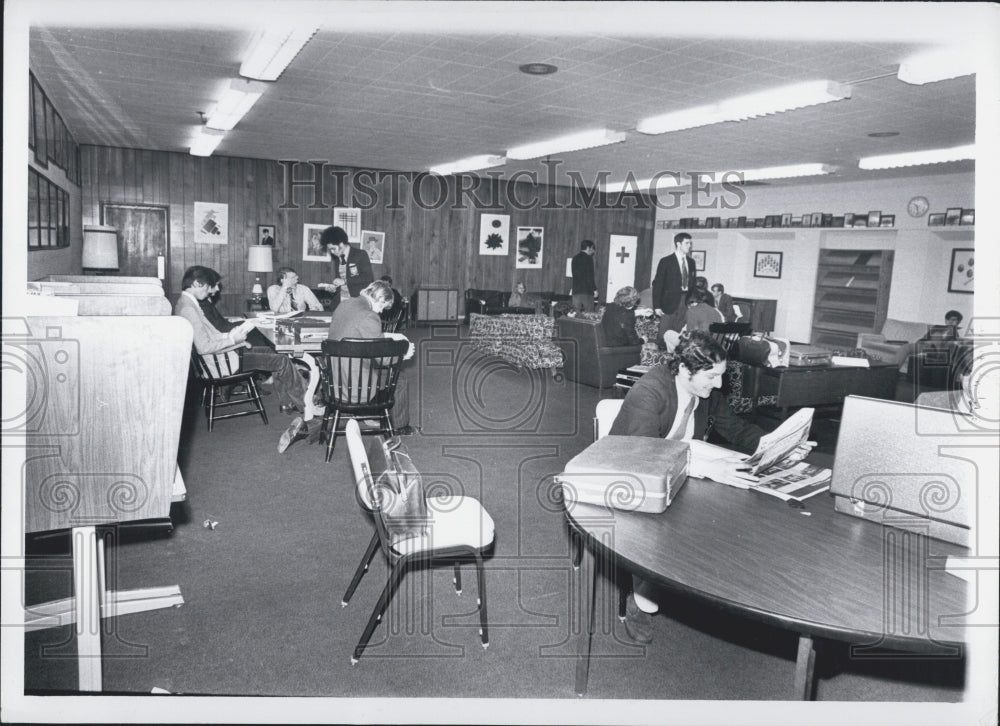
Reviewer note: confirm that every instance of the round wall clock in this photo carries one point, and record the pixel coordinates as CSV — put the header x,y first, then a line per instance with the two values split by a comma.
x,y
918,206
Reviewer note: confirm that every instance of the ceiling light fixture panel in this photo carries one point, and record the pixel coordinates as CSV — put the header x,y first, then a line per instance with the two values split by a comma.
x,y
205,142
668,181
918,158
271,50
563,144
234,104
471,163
751,105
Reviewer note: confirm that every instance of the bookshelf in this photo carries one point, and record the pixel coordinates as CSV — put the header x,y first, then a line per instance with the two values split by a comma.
x,y
852,295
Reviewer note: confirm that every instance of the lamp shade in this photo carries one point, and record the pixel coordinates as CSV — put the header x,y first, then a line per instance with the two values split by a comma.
x,y
100,247
260,259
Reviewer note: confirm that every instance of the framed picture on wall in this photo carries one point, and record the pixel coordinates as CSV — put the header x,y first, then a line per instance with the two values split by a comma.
x,y
374,244
699,259
265,234
962,277
767,264
312,251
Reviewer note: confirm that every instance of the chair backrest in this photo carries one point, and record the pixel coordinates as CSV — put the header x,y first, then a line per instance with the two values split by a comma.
x,y
361,373
390,323
217,365
365,482
605,415
726,334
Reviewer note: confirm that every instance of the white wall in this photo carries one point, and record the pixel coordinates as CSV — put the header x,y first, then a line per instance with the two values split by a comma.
x,y
922,261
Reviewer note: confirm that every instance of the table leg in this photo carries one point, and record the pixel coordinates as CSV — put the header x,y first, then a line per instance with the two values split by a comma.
x,y
87,582
804,665
587,573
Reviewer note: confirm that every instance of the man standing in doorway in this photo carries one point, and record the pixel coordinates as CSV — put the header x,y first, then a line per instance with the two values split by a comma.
x,y
674,278
584,285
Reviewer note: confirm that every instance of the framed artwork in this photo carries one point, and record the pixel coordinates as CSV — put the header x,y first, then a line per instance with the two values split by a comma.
x,y
374,244
786,219
265,234
349,220
529,248
888,220
935,220
767,264
968,216
494,234
312,251
211,223
699,259
874,218
953,215
962,276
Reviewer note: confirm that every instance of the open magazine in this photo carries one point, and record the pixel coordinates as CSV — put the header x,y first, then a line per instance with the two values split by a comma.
x,y
777,445
798,481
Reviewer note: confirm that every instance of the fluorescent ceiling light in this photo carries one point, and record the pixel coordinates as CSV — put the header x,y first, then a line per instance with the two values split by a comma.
x,y
741,108
205,142
937,65
667,181
572,142
472,163
234,104
271,51
918,158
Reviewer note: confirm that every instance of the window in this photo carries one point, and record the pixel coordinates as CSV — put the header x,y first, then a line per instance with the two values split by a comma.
x,y
48,213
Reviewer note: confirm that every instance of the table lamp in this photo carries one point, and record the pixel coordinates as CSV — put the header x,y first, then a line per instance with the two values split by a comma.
x,y
100,248
259,261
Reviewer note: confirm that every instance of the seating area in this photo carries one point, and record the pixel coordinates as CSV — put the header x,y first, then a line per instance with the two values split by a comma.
x,y
894,343
587,359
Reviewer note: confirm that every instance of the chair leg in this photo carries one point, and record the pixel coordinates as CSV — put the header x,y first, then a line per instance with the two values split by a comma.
x,y
333,437
388,423
362,569
211,407
458,579
255,395
395,576
484,630
577,544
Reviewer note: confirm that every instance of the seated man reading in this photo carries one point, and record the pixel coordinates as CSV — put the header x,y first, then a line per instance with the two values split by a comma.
x,y
198,284
676,401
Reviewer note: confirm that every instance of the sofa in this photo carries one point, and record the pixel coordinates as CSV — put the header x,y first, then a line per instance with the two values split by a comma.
x,y
523,340
894,343
588,359
492,302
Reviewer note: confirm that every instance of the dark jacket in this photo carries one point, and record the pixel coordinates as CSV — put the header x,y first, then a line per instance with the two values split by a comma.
x,y
358,272
618,325
667,283
583,274
220,323
651,405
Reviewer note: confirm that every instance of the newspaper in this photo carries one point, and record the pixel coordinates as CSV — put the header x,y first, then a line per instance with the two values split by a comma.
x,y
778,444
799,481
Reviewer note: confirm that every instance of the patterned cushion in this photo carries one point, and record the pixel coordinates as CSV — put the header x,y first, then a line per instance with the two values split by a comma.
x,y
524,340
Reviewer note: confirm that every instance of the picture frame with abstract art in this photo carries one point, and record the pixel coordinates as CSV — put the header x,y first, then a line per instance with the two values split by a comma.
x,y
349,220
494,234
961,276
699,259
211,223
768,264
530,245
312,251
374,244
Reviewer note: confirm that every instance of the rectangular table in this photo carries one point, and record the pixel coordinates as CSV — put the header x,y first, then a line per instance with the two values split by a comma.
x,y
311,342
825,575
798,386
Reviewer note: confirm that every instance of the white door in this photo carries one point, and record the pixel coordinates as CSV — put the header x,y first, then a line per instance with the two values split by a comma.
x,y
621,264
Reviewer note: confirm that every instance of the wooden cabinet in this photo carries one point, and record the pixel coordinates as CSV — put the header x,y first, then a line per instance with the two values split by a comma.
x,y
759,312
436,304
852,295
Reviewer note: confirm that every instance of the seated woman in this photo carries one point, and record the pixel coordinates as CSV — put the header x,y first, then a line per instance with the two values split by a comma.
x,y
521,299
701,311
618,322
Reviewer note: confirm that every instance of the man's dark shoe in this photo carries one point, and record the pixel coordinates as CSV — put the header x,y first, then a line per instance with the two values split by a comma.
x,y
296,430
638,624
290,409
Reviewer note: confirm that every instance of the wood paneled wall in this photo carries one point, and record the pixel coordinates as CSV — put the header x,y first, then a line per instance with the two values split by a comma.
x,y
425,243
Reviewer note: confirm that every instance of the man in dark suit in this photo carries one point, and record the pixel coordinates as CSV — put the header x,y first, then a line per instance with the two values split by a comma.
x,y
675,276
584,285
352,268
724,302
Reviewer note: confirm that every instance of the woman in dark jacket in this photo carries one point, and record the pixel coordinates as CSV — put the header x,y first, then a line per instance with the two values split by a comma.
x,y
618,321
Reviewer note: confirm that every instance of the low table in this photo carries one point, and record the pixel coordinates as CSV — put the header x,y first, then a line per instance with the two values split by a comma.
x,y
798,386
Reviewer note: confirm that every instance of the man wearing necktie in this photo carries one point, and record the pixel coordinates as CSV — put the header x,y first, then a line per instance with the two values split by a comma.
x,y
673,280
288,294
352,268
675,401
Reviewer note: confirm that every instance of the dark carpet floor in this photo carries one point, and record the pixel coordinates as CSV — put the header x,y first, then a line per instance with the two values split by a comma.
x,y
262,614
